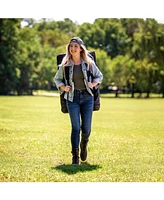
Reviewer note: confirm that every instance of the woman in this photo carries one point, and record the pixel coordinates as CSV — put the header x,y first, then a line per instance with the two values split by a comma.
x,y
78,94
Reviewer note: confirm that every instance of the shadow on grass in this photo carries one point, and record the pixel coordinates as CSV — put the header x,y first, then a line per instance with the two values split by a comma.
x,y
73,169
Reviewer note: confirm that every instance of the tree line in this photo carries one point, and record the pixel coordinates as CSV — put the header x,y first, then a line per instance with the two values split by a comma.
x,y
129,52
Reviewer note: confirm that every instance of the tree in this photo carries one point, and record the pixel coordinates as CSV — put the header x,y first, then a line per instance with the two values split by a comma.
x,y
129,52
44,73
122,72
55,33
9,34
92,35
28,52
68,27
103,63
115,39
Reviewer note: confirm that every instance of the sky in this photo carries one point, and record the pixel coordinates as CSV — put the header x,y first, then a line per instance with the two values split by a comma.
x,y
82,11
91,19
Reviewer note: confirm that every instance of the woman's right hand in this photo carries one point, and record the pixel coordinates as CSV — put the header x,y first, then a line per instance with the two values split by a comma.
x,y
67,88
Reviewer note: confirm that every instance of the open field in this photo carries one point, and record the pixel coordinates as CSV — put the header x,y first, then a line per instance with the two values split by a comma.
x,y
126,143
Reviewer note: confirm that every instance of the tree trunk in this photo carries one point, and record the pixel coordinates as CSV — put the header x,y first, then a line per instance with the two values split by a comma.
x,y
132,90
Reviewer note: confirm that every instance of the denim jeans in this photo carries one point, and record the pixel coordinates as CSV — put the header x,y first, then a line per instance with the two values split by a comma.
x,y
80,112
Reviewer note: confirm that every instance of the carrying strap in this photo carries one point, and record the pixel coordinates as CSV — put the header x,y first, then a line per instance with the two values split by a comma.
x,y
67,74
89,74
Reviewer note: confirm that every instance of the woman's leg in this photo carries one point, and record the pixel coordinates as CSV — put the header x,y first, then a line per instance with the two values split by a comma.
x,y
86,118
74,113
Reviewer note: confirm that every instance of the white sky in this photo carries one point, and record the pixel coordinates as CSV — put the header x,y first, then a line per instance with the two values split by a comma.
x,y
84,10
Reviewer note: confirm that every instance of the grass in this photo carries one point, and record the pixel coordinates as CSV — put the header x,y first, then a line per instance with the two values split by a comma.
x,y
126,143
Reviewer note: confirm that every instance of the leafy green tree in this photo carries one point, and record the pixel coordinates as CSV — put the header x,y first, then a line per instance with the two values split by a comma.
x,y
129,52
68,27
148,43
114,36
145,76
46,69
103,63
45,24
159,57
55,33
160,83
92,35
28,52
9,34
133,26
122,72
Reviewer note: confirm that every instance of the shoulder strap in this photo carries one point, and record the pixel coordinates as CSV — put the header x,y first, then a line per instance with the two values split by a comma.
x,y
67,74
88,73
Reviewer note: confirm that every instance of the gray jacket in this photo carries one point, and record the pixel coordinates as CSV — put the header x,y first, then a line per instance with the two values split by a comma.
x,y
98,77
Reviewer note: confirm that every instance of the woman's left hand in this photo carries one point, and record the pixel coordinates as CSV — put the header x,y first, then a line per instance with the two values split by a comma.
x,y
91,85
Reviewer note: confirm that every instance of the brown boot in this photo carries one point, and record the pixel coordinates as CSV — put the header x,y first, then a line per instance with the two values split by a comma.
x,y
83,153
75,156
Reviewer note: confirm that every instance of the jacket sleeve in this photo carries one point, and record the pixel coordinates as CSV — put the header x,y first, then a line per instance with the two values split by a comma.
x,y
59,77
98,76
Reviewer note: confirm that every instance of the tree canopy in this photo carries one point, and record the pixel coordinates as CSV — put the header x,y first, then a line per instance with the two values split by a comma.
x,y
130,53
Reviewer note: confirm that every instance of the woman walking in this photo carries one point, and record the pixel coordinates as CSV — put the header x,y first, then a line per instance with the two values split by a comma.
x,y
78,94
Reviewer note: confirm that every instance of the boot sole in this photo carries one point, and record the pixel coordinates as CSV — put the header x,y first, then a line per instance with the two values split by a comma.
x,y
83,161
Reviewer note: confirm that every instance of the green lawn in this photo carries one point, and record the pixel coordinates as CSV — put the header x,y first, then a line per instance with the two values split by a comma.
x,y
126,143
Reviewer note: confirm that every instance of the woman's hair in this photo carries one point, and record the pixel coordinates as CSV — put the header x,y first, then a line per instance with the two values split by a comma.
x,y
84,53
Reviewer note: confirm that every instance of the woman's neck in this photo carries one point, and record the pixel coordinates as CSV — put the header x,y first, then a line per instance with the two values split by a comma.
x,y
76,60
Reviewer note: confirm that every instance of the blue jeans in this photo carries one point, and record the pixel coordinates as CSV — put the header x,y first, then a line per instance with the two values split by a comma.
x,y
80,112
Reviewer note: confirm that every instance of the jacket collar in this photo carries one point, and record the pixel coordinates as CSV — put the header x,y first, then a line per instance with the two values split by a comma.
x,y
71,62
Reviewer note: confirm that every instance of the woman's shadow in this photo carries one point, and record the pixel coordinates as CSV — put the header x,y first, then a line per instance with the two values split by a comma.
x,y
73,169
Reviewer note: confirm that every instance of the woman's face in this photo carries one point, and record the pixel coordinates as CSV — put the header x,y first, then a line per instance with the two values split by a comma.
x,y
74,49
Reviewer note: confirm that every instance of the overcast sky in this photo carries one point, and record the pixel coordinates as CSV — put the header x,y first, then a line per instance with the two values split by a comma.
x,y
82,11
91,20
